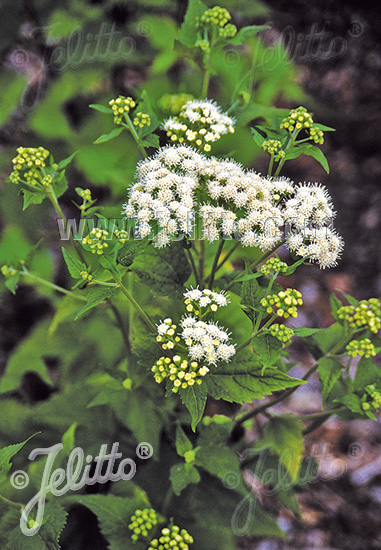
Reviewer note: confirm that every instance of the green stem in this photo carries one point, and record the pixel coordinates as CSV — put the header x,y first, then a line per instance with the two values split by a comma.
x,y
122,328
134,303
291,143
320,420
53,199
201,263
290,391
271,164
11,503
134,134
26,273
227,256
232,107
215,262
193,265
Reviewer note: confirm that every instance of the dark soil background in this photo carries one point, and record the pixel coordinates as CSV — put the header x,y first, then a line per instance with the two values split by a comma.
x,y
341,509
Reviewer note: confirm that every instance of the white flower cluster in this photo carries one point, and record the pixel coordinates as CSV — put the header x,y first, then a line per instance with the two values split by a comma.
x,y
179,185
199,123
322,244
206,341
196,298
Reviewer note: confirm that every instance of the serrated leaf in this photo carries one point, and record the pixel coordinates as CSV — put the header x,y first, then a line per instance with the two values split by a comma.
x,y
113,514
74,265
251,293
163,270
303,332
182,475
267,347
65,162
242,380
111,135
335,305
182,442
32,197
188,30
47,537
329,372
101,108
95,295
6,453
222,462
366,373
151,140
247,32
285,435
129,251
194,398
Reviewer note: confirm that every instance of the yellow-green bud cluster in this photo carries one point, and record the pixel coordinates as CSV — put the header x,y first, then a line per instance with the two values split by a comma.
x,y
366,314
376,398
179,371
300,119
121,235
204,45
8,270
96,240
219,17
274,265
121,106
297,118
283,333
317,135
31,161
172,104
141,120
285,303
85,194
86,276
142,521
361,348
172,538
274,147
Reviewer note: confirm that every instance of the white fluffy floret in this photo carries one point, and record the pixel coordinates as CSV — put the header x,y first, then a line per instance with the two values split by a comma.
x,y
206,341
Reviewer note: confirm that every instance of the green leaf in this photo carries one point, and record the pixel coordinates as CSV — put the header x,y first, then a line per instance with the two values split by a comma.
x,y
258,138
182,475
222,462
101,108
74,265
113,514
328,338
6,453
318,155
242,380
32,197
303,332
267,347
335,305
68,438
324,128
182,442
366,373
151,140
352,402
95,295
65,162
292,268
47,537
164,270
146,107
60,25
251,293
11,282
194,398
129,251
66,310
329,372
111,135
247,32
285,435
188,30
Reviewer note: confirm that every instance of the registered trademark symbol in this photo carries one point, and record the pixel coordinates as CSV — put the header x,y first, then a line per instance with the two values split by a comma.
x,y
356,29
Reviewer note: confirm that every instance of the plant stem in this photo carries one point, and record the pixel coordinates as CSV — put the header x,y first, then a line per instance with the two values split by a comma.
x,y
11,503
215,262
227,256
201,263
193,265
134,134
290,391
26,273
123,330
271,164
134,303
53,199
205,82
